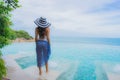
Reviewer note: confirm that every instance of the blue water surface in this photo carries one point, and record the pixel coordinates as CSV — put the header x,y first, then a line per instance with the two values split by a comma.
x,y
78,60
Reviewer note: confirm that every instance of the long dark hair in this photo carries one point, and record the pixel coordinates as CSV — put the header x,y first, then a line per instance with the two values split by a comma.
x,y
41,32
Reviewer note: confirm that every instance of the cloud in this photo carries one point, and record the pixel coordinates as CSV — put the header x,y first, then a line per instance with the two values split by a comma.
x,y
96,18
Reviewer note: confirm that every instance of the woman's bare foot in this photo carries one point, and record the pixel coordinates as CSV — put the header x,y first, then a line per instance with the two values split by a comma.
x,y
40,73
47,71
41,78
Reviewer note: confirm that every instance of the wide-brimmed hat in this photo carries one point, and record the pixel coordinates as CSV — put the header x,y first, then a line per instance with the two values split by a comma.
x,y
41,22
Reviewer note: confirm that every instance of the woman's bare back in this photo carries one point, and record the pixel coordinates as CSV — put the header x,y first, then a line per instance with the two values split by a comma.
x,y
46,36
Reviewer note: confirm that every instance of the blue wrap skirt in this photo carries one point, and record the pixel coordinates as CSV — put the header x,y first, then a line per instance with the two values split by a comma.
x,y
43,52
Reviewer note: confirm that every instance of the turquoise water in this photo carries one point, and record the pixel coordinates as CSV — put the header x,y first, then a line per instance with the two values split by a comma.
x,y
79,60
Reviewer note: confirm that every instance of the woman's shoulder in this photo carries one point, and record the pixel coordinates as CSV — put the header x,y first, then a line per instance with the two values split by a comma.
x,y
47,29
36,28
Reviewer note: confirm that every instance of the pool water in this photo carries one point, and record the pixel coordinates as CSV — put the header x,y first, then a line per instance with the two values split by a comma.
x,y
76,61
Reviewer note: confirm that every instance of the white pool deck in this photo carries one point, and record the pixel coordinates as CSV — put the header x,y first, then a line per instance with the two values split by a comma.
x,y
14,71
112,71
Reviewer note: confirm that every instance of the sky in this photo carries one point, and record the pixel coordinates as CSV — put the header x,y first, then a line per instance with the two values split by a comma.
x,y
71,18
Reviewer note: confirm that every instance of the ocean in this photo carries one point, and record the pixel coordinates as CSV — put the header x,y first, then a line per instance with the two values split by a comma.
x,y
76,58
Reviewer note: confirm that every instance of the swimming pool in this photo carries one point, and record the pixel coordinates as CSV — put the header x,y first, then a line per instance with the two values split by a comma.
x,y
76,60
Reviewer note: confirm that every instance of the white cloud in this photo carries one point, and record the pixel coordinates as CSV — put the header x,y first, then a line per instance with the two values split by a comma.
x,y
70,15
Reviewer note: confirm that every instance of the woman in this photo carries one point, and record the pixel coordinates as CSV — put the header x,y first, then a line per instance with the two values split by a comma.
x,y
42,40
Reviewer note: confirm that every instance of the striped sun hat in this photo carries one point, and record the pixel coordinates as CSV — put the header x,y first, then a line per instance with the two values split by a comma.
x,y
41,22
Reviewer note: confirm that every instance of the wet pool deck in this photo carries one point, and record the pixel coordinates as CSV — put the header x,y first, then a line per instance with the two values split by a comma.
x,y
112,71
14,71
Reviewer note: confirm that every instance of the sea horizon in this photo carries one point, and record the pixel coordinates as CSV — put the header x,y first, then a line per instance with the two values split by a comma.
x,y
92,40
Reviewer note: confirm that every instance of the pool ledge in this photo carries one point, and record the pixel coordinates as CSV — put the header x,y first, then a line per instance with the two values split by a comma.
x,y
112,71
14,71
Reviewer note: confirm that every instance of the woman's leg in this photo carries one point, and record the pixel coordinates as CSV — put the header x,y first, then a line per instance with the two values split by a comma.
x,y
46,55
46,65
40,70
